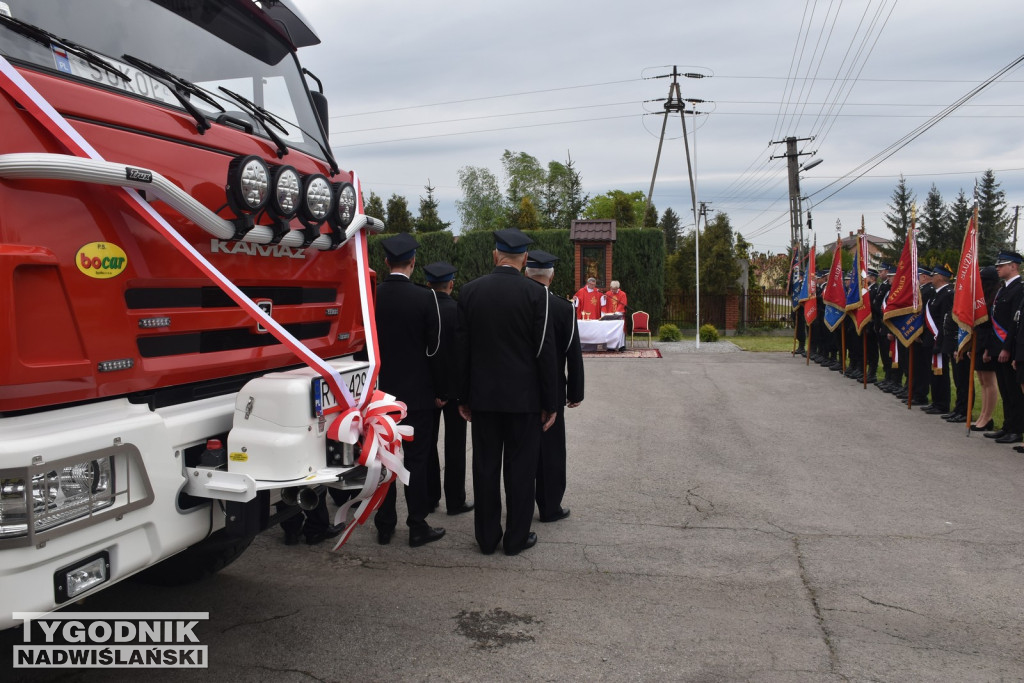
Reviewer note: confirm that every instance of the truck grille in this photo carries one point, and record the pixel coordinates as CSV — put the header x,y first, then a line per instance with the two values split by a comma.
x,y
181,299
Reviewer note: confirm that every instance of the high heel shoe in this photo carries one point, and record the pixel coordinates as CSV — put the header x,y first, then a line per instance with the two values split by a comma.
x,y
987,428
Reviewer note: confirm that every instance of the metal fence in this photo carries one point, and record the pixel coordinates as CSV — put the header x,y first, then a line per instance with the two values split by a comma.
x,y
765,309
758,309
681,310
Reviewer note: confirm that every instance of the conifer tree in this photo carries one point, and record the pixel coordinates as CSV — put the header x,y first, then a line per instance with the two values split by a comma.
x,y
993,223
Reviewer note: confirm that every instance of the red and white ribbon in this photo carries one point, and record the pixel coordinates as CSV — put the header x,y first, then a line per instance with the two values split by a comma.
x,y
15,85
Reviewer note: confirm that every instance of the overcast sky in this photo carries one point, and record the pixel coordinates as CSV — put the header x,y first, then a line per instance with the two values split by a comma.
x,y
419,90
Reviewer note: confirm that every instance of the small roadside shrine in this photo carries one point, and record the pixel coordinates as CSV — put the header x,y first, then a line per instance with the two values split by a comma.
x,y
592,241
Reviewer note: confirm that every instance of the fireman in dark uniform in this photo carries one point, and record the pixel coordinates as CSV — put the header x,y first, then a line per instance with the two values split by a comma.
x,y
441,279
509,391
409,336
1001,346
540,266
938,309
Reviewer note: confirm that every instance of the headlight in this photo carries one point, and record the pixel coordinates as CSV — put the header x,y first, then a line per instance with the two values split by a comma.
x,y
346,209
55,497
284,200
248,184
316,201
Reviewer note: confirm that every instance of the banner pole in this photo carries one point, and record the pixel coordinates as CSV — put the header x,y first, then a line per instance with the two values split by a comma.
x,y
910,376
796,322
842,347
970,390
808,343
864,355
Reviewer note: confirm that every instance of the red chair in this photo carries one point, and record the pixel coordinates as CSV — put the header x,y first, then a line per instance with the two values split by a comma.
x,y
641,325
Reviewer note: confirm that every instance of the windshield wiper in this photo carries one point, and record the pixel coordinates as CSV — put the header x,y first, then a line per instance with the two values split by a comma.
x,y
264,117
44,37
180,88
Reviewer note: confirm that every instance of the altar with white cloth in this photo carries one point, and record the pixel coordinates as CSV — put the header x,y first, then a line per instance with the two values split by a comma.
x,y
610,333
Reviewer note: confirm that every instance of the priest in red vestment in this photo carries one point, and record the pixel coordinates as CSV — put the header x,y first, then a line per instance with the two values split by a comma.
x,y
588,301
615,300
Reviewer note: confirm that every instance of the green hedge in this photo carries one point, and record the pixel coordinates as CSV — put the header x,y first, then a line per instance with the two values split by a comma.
x,y
638,261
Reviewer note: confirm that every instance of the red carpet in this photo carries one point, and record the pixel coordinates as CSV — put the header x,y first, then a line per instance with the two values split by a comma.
x,y
628,353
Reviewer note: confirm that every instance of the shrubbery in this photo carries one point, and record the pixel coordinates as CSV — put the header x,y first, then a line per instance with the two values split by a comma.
x,y
669,333
708,333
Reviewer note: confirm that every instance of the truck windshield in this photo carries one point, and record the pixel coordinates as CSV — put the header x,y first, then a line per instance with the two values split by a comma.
x,y
210,43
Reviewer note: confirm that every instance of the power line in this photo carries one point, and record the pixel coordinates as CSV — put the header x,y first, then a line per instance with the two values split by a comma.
x,y
488,97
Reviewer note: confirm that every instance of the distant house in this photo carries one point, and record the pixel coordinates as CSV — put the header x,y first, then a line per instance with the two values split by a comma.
x,y
875,246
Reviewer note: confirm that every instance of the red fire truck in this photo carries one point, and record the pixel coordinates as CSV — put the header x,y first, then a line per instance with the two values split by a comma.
x,y
145,417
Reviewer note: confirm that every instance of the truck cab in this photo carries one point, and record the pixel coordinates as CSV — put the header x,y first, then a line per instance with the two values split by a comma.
x,y
121,362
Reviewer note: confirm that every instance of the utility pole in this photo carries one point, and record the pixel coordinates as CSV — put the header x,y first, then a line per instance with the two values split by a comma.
x,y
1016,215
793,157
675,103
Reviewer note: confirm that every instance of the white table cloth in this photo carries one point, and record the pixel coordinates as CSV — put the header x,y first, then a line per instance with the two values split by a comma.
x,y
611,333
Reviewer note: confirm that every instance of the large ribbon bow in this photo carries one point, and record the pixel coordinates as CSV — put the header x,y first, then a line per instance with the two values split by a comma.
x,y
382,436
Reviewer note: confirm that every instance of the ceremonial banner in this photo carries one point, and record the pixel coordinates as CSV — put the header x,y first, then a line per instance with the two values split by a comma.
x,y
809,293
794,284
834,295
859,286
969,309
903,314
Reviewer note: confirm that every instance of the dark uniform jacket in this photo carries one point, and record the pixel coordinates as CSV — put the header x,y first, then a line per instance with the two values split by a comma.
x,y
449,325
506,357
939,307
1004,315
408,333
568,352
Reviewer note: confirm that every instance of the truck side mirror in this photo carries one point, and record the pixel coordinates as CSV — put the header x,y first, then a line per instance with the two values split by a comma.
x,y
320,104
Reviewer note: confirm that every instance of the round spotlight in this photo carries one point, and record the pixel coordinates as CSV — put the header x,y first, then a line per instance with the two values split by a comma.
x,y
346,210
284,200
248,184
317,197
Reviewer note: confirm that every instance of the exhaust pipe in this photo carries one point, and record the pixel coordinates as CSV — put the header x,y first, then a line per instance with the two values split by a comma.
x,y
308,498
290,495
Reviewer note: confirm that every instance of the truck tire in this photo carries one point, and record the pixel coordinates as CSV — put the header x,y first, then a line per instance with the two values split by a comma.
x,y
198,561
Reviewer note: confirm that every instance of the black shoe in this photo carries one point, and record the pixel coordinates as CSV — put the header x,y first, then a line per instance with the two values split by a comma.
x,y
465,507
935,410
928,407
990,425
835,367
321,536
422,537
995,435
531,540
1019,449
384,536
561,514
1009,437
955,417
872,379
857,375
292,537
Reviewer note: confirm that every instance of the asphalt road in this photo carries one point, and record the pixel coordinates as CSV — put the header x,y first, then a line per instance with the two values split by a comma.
x,y
735,517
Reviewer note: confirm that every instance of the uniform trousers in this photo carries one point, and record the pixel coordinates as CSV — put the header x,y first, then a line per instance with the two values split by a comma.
x,y
1013,401
551,468
923,372
417,498
961,379
454,458
884,351
504,445
869,341
940,384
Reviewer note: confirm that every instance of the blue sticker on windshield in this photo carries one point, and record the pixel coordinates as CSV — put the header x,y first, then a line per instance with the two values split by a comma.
x,y
60,58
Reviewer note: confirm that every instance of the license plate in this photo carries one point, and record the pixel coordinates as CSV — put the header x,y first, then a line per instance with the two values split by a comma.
x,y
324,398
